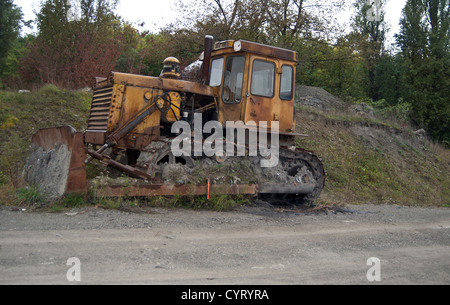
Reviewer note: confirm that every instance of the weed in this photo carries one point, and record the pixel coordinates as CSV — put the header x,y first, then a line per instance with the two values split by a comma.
x,y
73,201
30,195
49,89
221,202
9,122
3,178
109,203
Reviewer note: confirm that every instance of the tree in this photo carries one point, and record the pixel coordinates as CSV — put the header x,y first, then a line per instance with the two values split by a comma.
x,y
10,24
281,23
370,29
412,38
424,44
77,41
290,21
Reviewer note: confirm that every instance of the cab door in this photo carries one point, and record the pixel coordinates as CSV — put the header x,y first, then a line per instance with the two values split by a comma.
x,y
270,93
261,95
233,86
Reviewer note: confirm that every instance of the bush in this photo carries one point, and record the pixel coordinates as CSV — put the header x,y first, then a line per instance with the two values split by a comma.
x,y
400,112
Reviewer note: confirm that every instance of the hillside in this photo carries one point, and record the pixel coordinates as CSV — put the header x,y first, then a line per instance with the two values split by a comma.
x,y
21,115
367,159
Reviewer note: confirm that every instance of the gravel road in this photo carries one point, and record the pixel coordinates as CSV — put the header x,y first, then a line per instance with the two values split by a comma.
x,y
260,245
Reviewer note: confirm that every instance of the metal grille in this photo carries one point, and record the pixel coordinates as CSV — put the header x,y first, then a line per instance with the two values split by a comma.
x,y
101,104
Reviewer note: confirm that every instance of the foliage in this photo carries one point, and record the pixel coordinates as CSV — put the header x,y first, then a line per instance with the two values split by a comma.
x,y
370,37
424,42
10,25
69,51
399,112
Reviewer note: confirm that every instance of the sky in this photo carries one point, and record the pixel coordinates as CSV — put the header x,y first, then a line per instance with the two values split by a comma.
x,y
154,12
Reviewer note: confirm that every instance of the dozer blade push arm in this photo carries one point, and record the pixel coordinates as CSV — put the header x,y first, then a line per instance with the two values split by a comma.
x,y
133,172
128,126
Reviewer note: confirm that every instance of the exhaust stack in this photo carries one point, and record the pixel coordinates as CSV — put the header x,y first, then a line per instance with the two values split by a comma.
x,y
207,59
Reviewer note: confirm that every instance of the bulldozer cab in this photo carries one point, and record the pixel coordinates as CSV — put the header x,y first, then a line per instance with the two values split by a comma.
x,y
255,83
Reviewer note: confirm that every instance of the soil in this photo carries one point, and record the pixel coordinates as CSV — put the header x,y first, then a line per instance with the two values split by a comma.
x,y
255,245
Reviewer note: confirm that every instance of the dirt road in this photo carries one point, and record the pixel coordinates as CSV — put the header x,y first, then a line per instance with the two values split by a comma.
x,y
254,245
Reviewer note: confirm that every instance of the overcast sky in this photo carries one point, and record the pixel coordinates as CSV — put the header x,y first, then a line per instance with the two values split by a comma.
x,y
156,12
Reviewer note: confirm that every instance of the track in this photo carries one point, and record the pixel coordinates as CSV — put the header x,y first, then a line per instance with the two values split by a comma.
x,y
298,179
304,167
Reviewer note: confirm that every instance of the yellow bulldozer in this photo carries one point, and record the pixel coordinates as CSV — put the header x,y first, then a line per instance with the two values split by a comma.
x,y
223,125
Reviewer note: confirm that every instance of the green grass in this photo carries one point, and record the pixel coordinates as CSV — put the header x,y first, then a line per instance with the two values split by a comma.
x,y
218,203
30,196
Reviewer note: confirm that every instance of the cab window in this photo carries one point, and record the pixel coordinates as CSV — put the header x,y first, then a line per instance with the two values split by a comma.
x,y
215,79
233,79
263,77
287,77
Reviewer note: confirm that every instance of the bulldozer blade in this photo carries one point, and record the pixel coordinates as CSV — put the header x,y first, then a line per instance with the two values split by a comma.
x,y
56,164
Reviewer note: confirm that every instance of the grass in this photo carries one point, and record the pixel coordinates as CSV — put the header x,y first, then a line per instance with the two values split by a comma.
x,y
218,203
22,114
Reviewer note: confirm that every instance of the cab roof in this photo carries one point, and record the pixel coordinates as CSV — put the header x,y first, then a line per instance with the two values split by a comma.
x,y
256,48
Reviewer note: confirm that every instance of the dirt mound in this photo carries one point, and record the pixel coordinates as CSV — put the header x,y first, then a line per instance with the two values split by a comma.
x,y
317,97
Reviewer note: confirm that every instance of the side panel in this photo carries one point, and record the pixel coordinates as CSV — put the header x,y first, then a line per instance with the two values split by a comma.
x,y
113,106
286,107
134,99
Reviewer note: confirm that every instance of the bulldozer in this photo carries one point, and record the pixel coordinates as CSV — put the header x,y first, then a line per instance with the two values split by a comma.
x,y
158,130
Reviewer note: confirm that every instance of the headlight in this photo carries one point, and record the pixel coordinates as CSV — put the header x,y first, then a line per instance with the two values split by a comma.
x,y
237,46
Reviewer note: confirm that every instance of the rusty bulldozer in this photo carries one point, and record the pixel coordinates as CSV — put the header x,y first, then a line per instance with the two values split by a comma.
x,y
239,88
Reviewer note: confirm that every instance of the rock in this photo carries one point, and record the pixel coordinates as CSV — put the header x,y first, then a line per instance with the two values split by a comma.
x,y
363,108
49,169
311,101
421,133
